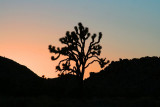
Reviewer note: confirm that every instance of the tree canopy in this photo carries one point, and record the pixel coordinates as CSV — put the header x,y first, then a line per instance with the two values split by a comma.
x,y
78,56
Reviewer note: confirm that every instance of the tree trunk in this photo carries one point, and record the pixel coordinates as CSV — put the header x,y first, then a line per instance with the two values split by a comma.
x,y
80,86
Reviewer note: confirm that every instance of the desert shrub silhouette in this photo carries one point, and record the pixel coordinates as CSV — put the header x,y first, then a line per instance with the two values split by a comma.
x,y
77,55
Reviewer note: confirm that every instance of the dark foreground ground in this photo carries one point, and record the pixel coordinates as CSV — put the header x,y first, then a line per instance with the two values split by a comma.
x,y
45,101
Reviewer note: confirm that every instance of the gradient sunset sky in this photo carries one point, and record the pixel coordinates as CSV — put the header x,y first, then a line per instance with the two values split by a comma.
x,y
131,29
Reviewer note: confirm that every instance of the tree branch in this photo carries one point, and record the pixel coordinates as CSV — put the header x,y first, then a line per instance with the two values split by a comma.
x,y
91,63
53,58
62,61
94,56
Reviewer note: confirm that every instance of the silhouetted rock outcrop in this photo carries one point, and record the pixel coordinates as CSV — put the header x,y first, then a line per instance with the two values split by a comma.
x,y
135,77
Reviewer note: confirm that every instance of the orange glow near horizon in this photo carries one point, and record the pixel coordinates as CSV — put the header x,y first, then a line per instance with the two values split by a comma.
x,y
35,56
28,45
36,59
130,29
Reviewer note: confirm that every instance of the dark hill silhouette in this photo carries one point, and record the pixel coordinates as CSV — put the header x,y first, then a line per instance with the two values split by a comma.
x,y
123,78
135,77
12,69
16,79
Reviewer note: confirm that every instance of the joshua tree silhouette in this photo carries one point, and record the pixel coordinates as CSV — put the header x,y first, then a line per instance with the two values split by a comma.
x,y
76,53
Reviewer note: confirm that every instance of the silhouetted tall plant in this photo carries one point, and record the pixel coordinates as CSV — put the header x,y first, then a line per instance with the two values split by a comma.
x,y
76,53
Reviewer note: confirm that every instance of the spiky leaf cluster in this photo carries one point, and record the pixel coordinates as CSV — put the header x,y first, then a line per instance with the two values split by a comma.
x,y
74,50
